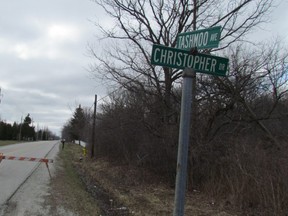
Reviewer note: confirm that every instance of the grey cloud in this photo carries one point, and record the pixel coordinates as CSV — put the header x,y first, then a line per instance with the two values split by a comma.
x,y
45,77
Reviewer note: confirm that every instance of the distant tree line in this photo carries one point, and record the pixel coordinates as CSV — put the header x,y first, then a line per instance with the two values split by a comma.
x,y
24,131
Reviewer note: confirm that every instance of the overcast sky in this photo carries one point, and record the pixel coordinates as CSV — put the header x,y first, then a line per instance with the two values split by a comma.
x,y
43,57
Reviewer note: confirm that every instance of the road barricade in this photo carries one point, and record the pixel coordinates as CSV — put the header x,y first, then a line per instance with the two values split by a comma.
x,y
44,160
32,159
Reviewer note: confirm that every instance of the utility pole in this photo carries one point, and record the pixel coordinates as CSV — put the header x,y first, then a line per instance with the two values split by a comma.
x,y
194,107
20,133
37,133
0,95
93,128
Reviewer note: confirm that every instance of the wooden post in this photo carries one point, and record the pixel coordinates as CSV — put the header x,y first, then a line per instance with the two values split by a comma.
x,y
93,128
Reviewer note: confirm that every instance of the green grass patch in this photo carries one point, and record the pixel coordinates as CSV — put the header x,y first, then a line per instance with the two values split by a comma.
x,y
8,142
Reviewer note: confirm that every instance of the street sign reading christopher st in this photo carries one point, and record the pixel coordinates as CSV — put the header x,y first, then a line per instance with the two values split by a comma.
x,y
178,58
202,39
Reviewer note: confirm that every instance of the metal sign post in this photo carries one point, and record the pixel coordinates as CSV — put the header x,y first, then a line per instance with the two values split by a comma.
x,y
191,62
183,145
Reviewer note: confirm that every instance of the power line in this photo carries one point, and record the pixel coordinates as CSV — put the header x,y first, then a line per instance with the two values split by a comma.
x,y
119,87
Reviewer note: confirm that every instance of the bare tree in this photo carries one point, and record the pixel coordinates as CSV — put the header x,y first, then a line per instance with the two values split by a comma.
x,y
139,24
228,108
252,93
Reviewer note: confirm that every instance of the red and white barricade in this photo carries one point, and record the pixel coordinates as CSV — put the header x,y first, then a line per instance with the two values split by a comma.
x,y
44,160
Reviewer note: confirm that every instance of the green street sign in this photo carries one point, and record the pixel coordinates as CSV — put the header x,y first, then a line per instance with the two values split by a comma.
x,y
202,39
178,58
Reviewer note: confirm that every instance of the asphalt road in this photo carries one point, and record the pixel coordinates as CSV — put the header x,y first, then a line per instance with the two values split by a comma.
x,y
14,173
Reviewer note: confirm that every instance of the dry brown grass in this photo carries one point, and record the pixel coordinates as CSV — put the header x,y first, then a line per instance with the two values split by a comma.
x,y
142,192
67,190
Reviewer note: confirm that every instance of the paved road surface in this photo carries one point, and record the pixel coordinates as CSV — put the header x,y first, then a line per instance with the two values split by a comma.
x,y
14,173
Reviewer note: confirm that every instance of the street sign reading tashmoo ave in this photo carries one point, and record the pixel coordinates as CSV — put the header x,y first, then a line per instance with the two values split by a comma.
x,y
202,39
178,58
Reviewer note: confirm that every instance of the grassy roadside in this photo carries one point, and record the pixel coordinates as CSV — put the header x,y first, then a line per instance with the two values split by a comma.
x,y
67,190
8,142
115,188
